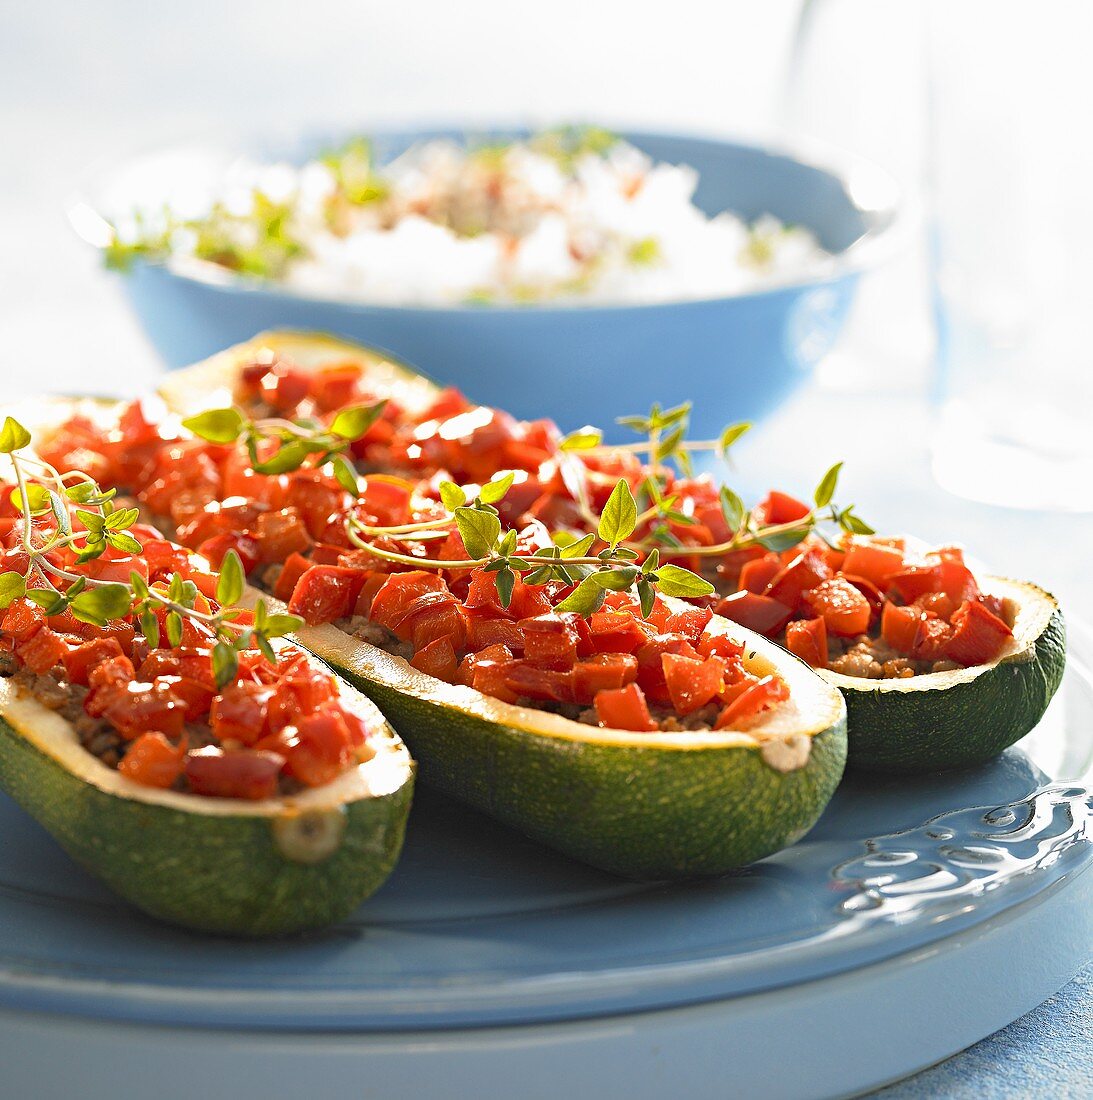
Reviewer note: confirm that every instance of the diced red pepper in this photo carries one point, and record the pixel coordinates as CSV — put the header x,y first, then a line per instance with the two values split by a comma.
x,y
757,574
692,683
326,593
877,564
238,773
438,659
41,650
759,613
899,626
153,761
602,672
749,705
781,508
844,610
80,661
806,571
978,636
322,750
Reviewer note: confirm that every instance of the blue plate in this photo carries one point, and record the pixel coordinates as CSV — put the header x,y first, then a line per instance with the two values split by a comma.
x,y
741,355
918,916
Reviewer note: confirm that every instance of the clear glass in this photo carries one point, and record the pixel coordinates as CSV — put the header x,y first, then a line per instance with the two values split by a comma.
x,y
1012,190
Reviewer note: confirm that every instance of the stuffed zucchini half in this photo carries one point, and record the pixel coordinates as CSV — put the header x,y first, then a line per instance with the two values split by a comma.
x,y
155,721
275,865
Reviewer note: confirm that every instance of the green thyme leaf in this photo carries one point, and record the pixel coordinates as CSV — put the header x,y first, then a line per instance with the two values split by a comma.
x,y
670,444
173,622
232,580
730,435
103,603
507,543
48,599
582,439
37,498
620,514
579,548
495,490
586,598
783,540
123,541
478,529
345,475
82,492
674,580
652,562
277,626
854,524
646,597
351,424
615,580
13,436
452,496
149,627
216,425
732,508
506,581
12,586
225,662
289,457
826,489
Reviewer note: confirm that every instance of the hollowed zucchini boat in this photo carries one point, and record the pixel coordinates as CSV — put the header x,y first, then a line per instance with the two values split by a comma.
x,y
967,716
213,864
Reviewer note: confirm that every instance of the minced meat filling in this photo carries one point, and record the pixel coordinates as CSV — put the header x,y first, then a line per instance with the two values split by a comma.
x,y
872,659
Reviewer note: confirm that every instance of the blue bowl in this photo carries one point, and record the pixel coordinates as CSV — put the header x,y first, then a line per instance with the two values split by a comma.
x,y
736,358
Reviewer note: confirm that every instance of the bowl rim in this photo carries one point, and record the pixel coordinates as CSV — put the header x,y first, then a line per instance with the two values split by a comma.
x,y
853,172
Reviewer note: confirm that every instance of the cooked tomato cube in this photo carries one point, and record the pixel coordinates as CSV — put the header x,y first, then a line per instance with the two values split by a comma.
x,y
491,678
550,640
616,632
752,703
844,610
916,580
690,622
781,508
899,626
238,713
692,683
539,683
322,750
485,631
874,563
279,534
651,666
438,659
80,661
116,568
429,616
805,571
326,593
602,671
296,565
759,613
238,773
41,650
153,761
720,645
807,639
978,636
758,573
931,638
399,591
624,709
21,619
137,707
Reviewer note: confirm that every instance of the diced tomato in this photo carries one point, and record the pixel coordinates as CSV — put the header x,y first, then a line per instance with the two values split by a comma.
x,y
940,604
153,761
750,704
759,613
303,690
430,616
624,709
651,666
80,661
539,683
781,508
931,638
438,659
195,696
193,663
600,672
215,549
315,501
491,678
236,773
720,645
757,574
690,622
22,618
41,650
844,610
334,385
326,593
914,581
692,683
805,571
807,639
279,534
117,569
322,750
978,636
238,713
110,673
387,498
296,565
957,581
399,591
899,626
616,632
483,632
874,563
164,559
373,582
550,640
137,707
284,387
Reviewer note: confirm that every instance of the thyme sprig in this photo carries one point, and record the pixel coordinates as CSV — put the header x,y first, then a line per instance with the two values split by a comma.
x,y
294,441
50,502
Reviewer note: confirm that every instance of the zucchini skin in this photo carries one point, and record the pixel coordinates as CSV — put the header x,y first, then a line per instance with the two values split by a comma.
x,y
640,813
958,726
212,873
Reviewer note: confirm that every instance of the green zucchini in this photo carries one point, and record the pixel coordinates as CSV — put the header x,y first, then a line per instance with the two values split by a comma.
x,y
956,719
212,864
640,805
